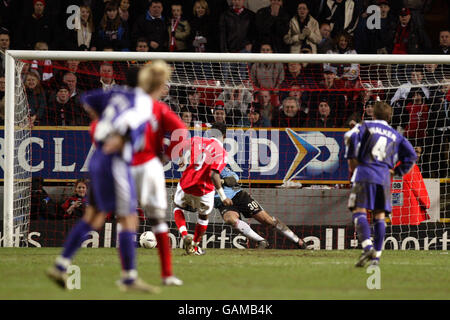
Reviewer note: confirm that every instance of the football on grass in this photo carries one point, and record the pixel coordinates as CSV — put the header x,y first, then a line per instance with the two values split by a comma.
x,y
148,240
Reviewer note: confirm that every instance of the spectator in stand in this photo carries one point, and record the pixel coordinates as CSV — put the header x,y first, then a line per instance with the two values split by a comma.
x,y
267,75
444,42
433,73
170,100
370,40
62,111
112,30
75,205
290,115
236,102
236,28
70,79
200,112
326,43
336,98
203,28
301,96
141,46
253,119
415,80
44,68
152,26
36,97
356,108
265,106
124,6
437,145
179,30
42,206
313,71
417,111
409,37
341,15
303,29
4,45
219,114
294,75
107,78
271,24
323,118
347,74
186,116
83,36
38,27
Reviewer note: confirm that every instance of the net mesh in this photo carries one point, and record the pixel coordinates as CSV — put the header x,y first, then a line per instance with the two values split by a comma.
x,y
308,192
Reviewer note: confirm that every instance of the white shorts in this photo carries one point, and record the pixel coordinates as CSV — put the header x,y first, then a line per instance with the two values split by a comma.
x,y
151,186
201,204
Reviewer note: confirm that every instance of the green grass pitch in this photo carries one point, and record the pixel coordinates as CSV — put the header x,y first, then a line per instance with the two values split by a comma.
x,y
233,274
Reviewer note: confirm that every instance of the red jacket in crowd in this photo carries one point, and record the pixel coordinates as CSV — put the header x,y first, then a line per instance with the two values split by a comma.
x,y
410,199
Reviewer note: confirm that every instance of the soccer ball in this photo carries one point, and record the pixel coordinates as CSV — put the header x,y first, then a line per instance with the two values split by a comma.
x,y
148,240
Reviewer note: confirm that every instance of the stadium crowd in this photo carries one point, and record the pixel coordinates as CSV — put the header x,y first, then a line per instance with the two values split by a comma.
x,y
246,95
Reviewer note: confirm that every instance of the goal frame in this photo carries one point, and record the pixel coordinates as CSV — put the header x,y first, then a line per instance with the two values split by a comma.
x,y
12,55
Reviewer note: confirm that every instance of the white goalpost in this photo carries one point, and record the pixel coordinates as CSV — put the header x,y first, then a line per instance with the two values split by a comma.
x,y
16,184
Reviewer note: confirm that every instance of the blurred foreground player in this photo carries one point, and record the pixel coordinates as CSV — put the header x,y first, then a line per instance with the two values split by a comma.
x,y
372,150
244,204
147,168
120,116
195,191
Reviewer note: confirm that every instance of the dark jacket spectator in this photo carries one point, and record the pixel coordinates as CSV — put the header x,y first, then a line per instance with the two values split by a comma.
x,y
236,29
323,117
203,29
38,27
61,111
290,115
326,43
152,26
42,206
271,24
253,118
444,42
409,37
112,31
341,16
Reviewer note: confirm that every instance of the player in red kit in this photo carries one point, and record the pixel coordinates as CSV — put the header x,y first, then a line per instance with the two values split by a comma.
x,y
147,168
197,186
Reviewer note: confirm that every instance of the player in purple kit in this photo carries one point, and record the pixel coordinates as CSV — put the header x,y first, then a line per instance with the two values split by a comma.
x,y
119,117
372,149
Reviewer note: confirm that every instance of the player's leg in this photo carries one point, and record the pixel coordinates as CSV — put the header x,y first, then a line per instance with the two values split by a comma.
x,y
204,206
154,202
233,219
362,198
181,200
264,218
379,227
92,220
127,252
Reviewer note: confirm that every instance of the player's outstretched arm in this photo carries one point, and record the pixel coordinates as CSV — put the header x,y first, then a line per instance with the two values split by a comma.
x,y
215,177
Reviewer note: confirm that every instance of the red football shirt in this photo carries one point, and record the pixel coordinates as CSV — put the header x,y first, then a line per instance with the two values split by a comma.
x,y
163,121
206,154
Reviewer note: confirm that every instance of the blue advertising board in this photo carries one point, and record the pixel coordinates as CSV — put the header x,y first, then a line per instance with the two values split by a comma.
x,y
259,155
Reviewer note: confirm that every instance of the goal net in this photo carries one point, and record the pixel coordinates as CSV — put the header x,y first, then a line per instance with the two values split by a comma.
x,y
286,118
